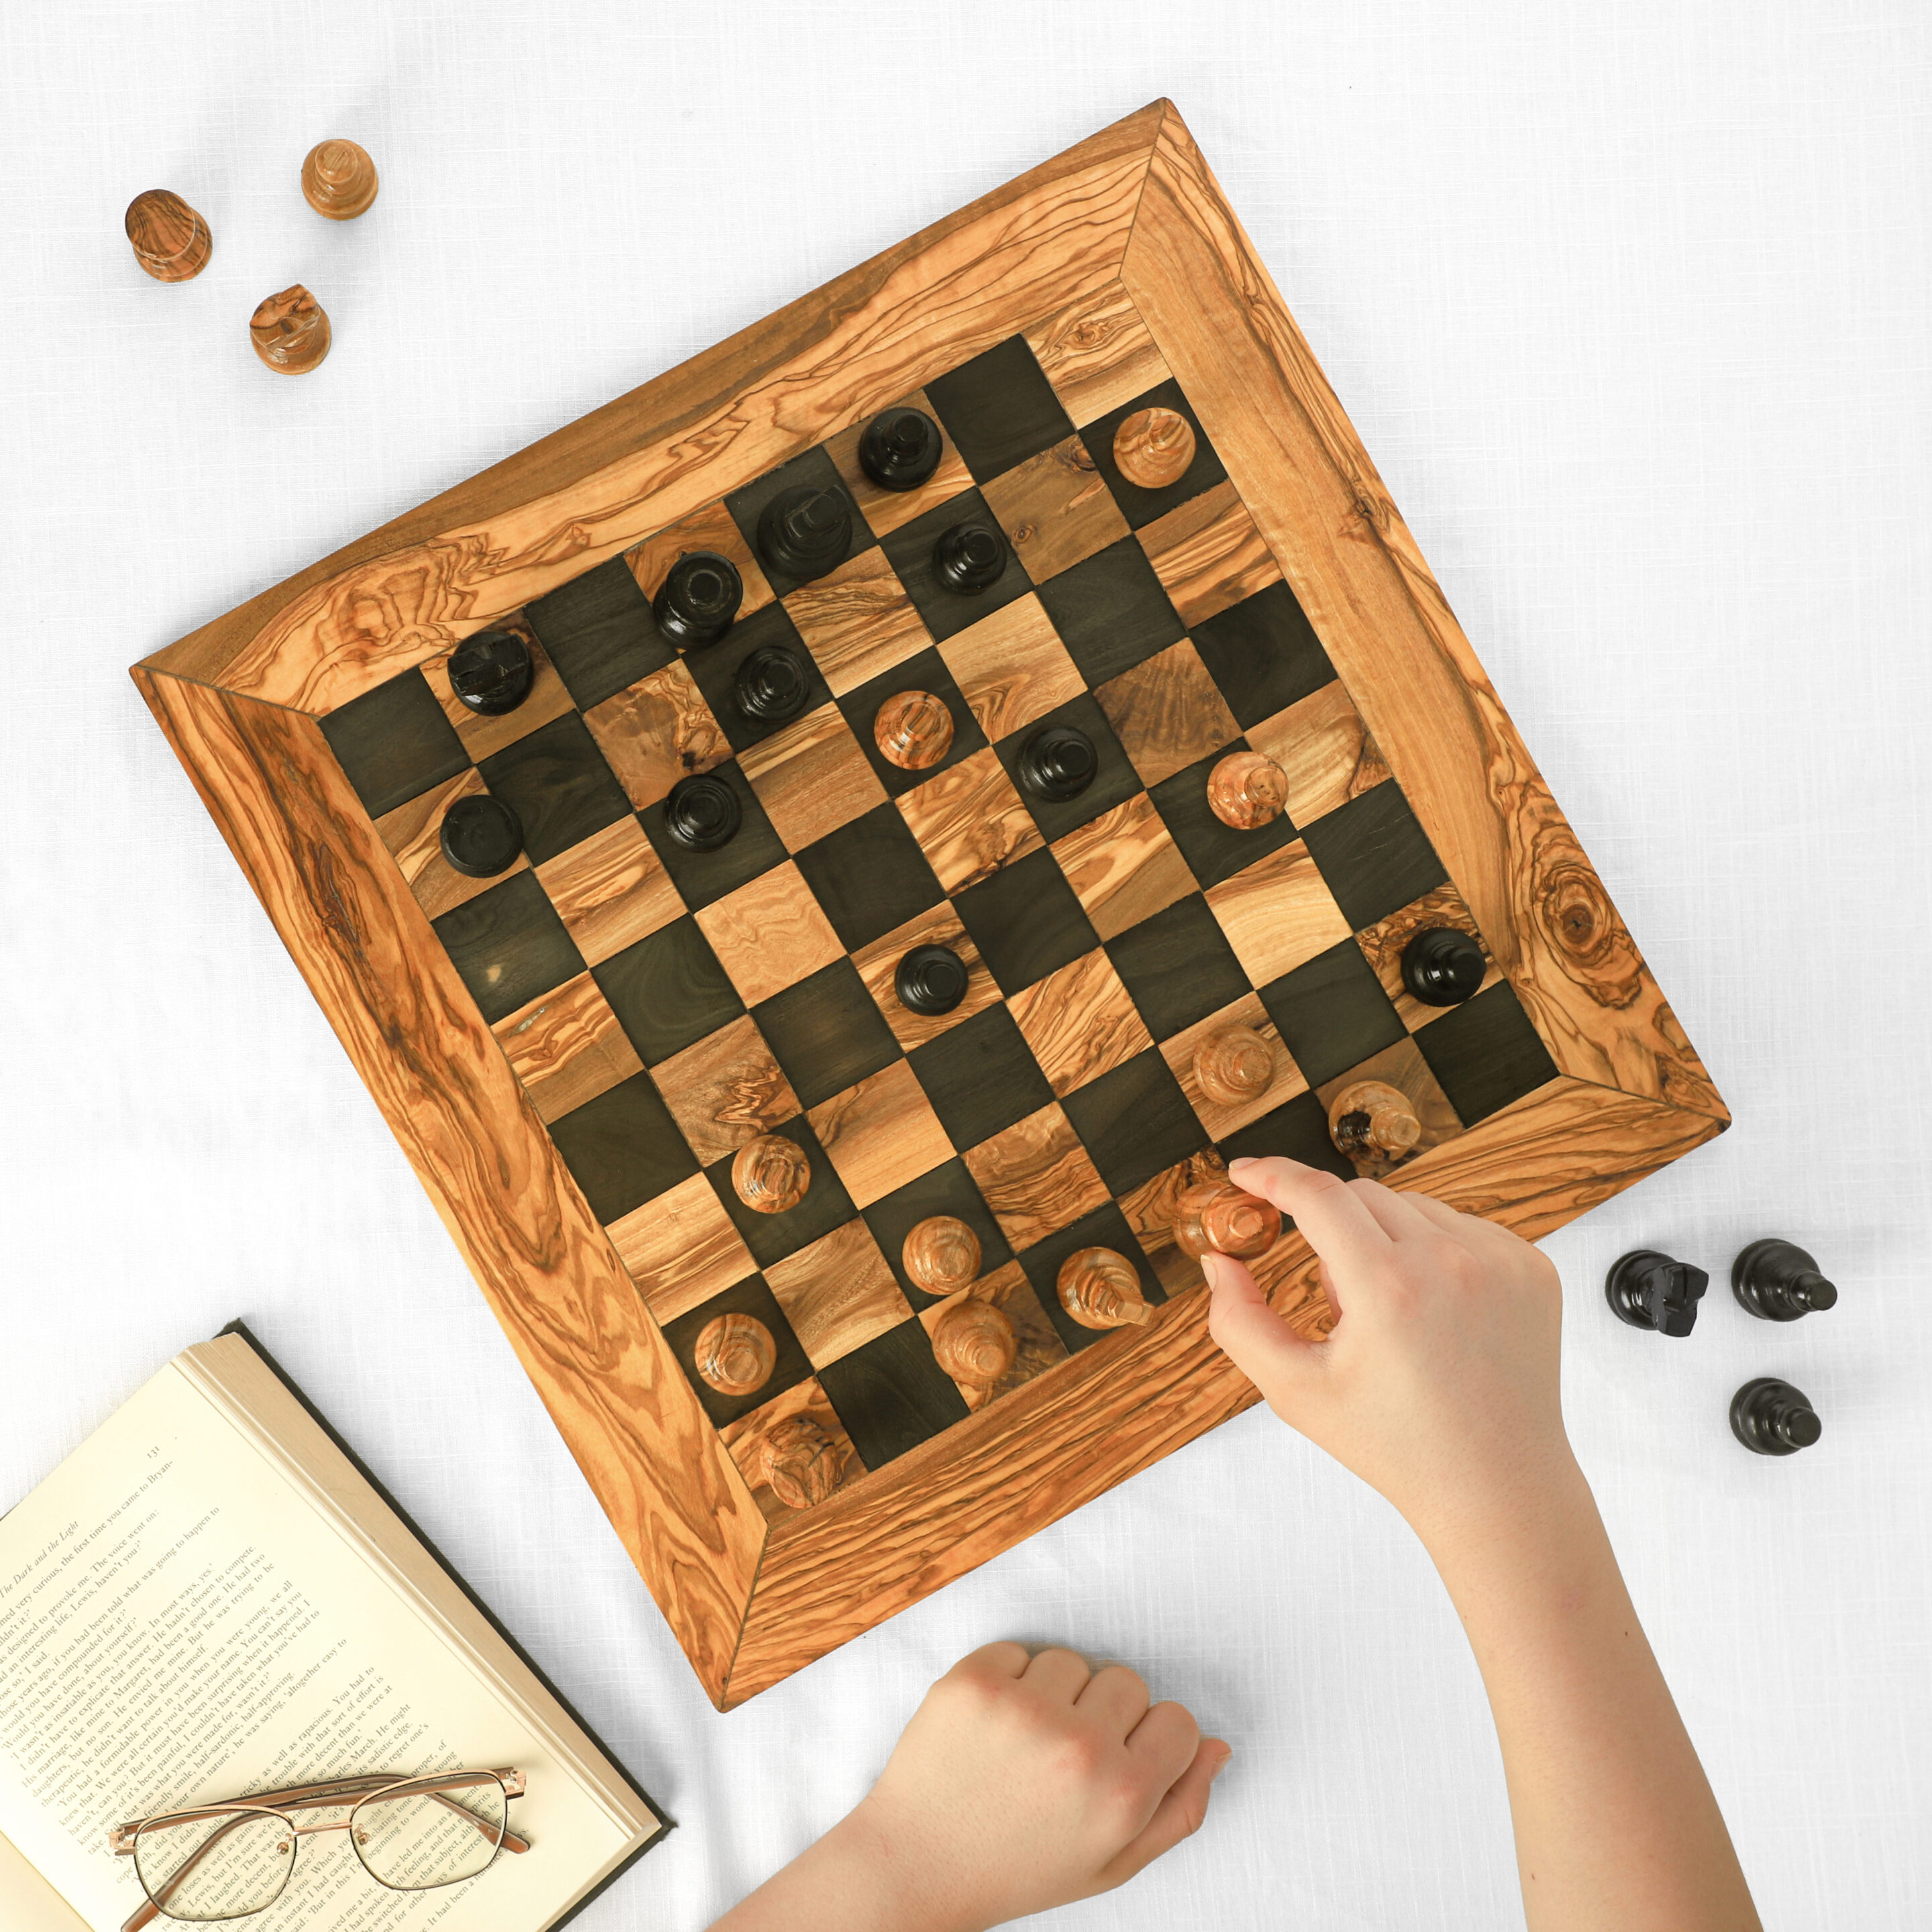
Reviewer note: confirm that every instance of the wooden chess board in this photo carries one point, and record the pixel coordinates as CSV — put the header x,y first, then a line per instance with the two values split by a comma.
x,y
575,1051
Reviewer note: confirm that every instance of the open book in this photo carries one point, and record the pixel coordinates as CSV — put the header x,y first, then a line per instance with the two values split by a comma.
x,y
210,1598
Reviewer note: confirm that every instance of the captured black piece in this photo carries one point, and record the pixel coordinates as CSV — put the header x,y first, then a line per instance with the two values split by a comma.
x,y
1776,1282
702,812
805,531
1443,966
1058,762
901,449
698,599
1771,1418
492,672
970,557
931,980
773,684
481,836
1649,1290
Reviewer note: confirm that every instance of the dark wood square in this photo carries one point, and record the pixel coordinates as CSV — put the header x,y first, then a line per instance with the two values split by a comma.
x,y
599,633
509,946
980,1076
1485,1053
1111,611
556,782
1025,920
746,505
945,612
702,877
891,1395
668,991
1105,1227
869,876
1178,966
623,1148
1332,1012
1214,851
827,1205
826,1032
1374,854
1264,654
1135,1121
1296,1130
945,1189
394,742
1115,781
924,671
752,1296
1140,506
714,669
999,408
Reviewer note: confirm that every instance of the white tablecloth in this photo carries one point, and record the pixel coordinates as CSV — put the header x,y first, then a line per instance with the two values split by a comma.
x,y
1630,305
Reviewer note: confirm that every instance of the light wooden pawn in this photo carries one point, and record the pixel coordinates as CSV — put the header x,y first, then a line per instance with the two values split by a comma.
x,y
802,1464
973,1341
1102,1289
170,240
338,179
736,1354
770,1174
1234,1065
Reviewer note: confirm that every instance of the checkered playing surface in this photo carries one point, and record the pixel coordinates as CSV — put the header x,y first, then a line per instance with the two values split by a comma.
x,y
663,1007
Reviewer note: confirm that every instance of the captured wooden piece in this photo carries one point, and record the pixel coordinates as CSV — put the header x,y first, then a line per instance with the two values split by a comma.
x,y
914,730
1247,789
802,1464
1217,1216
1102,1289
736,1354
1234,1065
1370,1117
171,241
290,332
941,1255
973,1341
771,1174
338,179
1154,447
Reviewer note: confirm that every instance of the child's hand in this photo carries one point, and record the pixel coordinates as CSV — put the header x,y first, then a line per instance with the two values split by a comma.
x,y
1437,1385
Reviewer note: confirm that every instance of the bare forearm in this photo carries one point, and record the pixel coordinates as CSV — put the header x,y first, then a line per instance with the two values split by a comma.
x,y
1615,1825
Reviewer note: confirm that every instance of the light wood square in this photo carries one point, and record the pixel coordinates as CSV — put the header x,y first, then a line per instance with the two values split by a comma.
x,y
610,890
567,1047
1011,667
658,731
969,820
681,1248
1080,1021
710,528
770,934
1382,945
1056,509
838,1294
725,1089
812,776
745,1438
1150,1210
859,621
1278,914
1038,1345
1037,1178
1208,554
1098,354
885,510
1219,1119
878,967
1402,1067
482,735
1123,866
881,1133
413,833
1168,712
1323,746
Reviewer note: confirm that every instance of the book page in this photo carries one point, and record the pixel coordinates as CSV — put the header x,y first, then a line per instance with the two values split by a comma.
x,y
27,1903
178,1626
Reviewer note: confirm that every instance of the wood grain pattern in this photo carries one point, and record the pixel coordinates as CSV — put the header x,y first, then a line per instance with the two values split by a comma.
x,y
878,964
812,777
1399,1071
681,1248
1168,712
1123,866
970,821
1278,914
1011,667
610,890
1080,1021
725,1089
881,1133
483,735
1219,1117
1035,1177
1323,746
1056,509
1037,1344
838,1293
170,240
772,1449
659,730
413,833
913,730
885,510
1208,553
1382,945
710,528
858,621
769,934
1097,353
567,1047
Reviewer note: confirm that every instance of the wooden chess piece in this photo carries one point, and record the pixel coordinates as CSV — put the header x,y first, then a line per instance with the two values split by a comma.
x,y
1369,1118
914,730
931,980
805,531
1057,763
1247,789
941,1254
1770,1417
1102,1289
1443,966
803,1463
1649,1290
736,1354
491,673
1234,1065
1153,448
901,449
770,1174
1216,1216
338,179
1777,1282
973,1341
290,332
699,598
702,812
970,557
480,836
773,684
170,240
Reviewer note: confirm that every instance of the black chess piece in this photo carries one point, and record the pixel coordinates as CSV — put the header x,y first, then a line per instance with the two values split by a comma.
x,y
931,980
1777,1282
1649,1290
1058,762
805,531
1771,1418
702,812
492,672
481,836
698,599
971,557
901,449
773,684
1443,966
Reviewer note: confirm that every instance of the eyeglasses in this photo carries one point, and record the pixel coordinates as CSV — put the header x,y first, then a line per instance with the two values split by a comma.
x,y
217,1861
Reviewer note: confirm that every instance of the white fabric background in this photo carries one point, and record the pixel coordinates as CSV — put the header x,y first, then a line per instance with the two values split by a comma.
x,y
1630,303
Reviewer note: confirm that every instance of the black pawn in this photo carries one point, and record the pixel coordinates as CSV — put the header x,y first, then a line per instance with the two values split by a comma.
x,y
1649,1290
1771,1418
773,684
481,836
1058,762
1776,1282
1443,966
698,599
702,813
492,672
805,531
901,449
931,980
969,557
